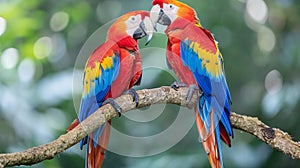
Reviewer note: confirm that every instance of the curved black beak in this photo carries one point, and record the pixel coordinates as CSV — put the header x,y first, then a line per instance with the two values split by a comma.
x,y
158,15
145,29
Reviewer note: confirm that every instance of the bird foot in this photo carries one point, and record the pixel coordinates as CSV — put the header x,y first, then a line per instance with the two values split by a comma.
x,y
192,89
114,104
176,85
134,95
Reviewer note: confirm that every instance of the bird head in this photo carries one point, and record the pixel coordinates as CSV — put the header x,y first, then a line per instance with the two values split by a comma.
x,y
136,24
165,12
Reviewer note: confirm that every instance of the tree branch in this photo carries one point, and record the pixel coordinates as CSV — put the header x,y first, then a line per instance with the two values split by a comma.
x,y
273,137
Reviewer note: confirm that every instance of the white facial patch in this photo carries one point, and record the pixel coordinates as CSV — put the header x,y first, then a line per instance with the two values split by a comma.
x,y
133,23
154,14
171,11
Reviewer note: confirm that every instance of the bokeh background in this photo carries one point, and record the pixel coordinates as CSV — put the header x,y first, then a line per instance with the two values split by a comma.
x,y
40,42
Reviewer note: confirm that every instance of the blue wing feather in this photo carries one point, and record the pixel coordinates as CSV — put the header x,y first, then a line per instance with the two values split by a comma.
x,y
92,101
219,142
216,93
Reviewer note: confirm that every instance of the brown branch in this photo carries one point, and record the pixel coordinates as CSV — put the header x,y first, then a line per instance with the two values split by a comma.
x,y
273,137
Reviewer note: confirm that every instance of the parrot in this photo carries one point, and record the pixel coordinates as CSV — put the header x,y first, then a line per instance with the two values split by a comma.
x,y
193,54
112,69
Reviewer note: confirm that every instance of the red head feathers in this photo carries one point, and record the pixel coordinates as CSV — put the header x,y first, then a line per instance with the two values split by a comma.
x,y
184,11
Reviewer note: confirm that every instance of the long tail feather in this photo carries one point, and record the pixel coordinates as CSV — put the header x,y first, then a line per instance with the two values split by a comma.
x,y
96,151
210,141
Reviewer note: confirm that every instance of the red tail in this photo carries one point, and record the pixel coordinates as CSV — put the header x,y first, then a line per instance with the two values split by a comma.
x,y
95,155
73,125
210,140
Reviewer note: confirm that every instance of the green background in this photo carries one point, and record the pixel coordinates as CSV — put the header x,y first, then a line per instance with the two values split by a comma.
x,y
41,40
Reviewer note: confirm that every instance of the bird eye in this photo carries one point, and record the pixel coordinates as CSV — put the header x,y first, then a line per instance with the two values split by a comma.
x,y
171,6
133,18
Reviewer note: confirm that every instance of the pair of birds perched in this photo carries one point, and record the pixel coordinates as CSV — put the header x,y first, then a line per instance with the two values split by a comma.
x,y
192,52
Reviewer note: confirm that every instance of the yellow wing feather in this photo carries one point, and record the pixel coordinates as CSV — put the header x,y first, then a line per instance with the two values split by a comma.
x,y
91,73
210,61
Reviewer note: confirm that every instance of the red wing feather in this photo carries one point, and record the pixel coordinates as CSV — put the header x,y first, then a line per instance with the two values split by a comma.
x,y
224,136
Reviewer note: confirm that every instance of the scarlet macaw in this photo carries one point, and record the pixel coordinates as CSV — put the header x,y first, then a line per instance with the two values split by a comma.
x,y
114,67
193,54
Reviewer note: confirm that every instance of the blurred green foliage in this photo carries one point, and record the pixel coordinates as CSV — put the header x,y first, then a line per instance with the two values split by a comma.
x,y
40,41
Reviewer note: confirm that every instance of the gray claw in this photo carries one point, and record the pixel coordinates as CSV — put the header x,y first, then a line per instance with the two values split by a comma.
x,y
190,93
134,95
114,104
176,85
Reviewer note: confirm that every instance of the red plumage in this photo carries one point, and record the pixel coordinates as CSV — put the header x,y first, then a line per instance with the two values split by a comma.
x,y
113,68
194,56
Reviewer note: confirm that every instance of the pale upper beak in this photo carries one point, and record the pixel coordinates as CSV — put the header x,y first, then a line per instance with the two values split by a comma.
x,y
158,15
145,29
149,29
